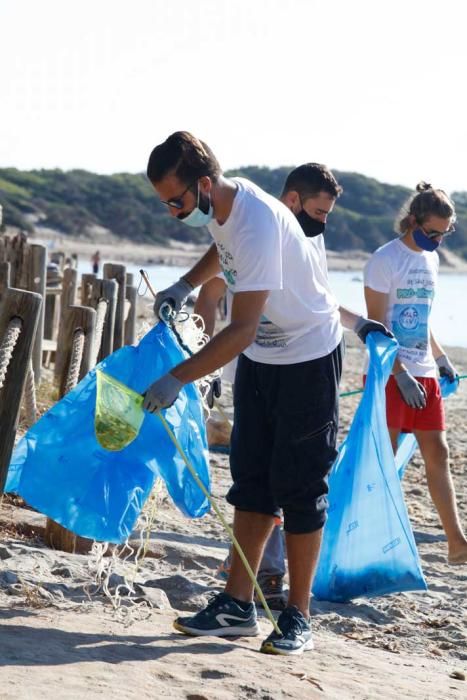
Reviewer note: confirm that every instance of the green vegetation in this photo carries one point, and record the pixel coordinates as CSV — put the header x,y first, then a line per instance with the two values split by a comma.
x,y
75,201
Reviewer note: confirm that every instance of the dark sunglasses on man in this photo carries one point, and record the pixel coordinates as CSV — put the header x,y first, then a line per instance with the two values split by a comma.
x,y
177,202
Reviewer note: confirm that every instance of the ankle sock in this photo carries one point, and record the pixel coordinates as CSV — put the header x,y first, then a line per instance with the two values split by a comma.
x,y
241,603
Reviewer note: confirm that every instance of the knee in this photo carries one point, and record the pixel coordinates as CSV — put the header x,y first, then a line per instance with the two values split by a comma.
x,y
306,519
437,455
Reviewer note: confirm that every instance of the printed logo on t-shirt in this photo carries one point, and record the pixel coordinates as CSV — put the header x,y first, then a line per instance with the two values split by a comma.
x,y
420,293
226,261
410,326
269,335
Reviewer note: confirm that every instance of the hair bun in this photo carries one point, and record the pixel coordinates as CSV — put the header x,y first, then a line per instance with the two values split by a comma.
x,y
423,186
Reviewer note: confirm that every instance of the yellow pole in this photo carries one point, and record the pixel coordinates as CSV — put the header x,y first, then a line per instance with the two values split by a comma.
x,y
223,521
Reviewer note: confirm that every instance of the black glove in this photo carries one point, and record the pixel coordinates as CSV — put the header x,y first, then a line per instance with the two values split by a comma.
x,y
446,369
215,390
367,325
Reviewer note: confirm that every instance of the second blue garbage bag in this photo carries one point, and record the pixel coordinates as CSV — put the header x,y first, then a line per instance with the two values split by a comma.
x,y
60,468
368,545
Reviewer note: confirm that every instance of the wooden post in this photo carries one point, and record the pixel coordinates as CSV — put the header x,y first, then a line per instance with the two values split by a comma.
x,y
106,289
36,281
4,278
118,272
16,250
130,323
27,307
52,312
75,318
69,284
86,288
68,297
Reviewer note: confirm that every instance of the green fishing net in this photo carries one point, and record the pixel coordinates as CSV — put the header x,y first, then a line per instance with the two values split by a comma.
x,y
119,413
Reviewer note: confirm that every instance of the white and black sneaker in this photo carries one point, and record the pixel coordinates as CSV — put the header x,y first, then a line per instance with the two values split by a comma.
x,y
296,634
222,617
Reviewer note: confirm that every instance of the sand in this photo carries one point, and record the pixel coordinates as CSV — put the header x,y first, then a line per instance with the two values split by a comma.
x,y
60,637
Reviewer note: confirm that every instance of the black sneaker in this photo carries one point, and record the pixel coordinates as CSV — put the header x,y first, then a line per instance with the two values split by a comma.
x,y
296,634
273,591
222,617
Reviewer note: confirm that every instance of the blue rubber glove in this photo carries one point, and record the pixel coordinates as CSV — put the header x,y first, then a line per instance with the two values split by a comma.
x,y
162,394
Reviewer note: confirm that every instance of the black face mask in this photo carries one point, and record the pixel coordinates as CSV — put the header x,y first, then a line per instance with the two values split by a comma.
x,y
311,227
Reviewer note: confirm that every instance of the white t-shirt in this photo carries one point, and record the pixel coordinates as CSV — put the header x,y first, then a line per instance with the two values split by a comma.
x,y
409,278
261,246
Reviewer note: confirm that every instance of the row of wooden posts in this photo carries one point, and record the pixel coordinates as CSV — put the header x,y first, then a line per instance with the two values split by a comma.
x,y
50,320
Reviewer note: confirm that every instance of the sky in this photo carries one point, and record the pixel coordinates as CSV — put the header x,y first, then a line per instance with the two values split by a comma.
x,y
361,85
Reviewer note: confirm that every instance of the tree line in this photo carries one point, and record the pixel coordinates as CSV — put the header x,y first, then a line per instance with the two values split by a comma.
x,y
75,202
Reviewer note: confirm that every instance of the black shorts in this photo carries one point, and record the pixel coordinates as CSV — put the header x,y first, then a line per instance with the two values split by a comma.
x,y
283,441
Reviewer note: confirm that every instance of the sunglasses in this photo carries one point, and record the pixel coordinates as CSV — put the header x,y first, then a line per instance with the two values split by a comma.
x,y
435,234
177,202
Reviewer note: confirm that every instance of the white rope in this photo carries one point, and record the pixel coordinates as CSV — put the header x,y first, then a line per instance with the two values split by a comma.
x,y
75,360
101,312
30,396
7,346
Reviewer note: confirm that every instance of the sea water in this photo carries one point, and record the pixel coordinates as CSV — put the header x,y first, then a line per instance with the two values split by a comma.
x,y
449,314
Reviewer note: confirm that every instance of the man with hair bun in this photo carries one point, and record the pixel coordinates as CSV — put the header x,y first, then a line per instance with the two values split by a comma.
x,y
400,283
285,327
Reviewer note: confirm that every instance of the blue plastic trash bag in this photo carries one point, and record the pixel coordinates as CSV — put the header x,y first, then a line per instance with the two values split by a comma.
x,y
368,546
61,470
407,443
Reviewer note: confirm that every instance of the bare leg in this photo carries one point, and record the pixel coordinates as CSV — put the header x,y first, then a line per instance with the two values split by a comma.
x,y
435,453
394,435
302,555
251,530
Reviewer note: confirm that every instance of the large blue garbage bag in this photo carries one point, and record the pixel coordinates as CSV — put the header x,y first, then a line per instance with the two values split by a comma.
x,y
61,470
368,546
407,443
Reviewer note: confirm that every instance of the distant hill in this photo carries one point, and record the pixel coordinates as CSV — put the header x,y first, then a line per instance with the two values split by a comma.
x,y
76,202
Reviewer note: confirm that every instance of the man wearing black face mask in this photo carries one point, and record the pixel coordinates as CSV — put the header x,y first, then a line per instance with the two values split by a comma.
x,y
310,192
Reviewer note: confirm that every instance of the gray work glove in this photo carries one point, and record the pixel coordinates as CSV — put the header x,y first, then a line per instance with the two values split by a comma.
x,y
412,391
367,325
446,369
174,296
162,394
214,391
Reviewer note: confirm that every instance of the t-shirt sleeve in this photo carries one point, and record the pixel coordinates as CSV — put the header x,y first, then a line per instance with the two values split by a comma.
x,y
377,273
258,253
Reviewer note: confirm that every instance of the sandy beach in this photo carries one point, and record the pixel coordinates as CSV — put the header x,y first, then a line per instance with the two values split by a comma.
x,y
61,636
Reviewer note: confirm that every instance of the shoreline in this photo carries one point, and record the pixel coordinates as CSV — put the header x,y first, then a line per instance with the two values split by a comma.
x,y
179,254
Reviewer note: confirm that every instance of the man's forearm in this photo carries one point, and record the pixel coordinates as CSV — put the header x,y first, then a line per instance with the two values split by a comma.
x,y
348,318
205,269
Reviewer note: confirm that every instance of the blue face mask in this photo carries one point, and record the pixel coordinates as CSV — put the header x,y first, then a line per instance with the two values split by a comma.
x,y
423,241
197,217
